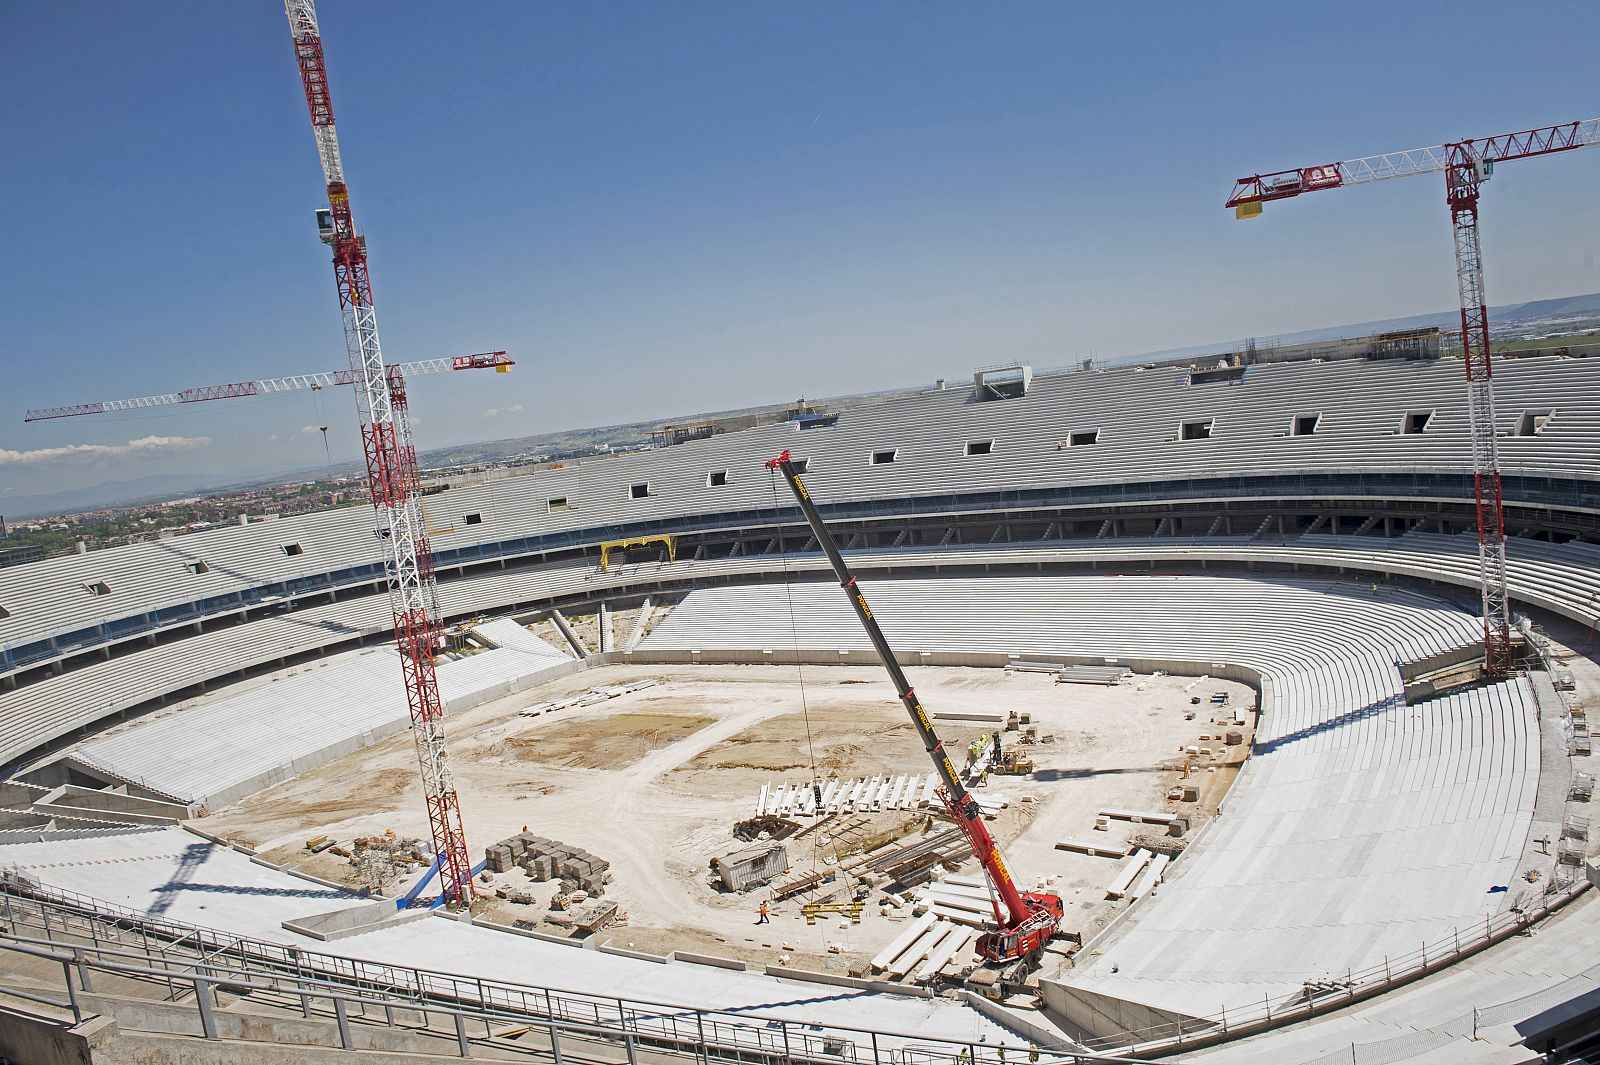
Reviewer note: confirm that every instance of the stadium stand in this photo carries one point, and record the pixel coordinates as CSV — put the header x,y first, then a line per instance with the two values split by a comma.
x,y
252,736
1561,578
1359,828
87,600
1086,472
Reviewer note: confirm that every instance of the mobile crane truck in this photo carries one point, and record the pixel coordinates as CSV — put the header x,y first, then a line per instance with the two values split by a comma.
x,y
1031,918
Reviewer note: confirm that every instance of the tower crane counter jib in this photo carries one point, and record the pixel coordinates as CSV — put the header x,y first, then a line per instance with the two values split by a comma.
x,y
1030,919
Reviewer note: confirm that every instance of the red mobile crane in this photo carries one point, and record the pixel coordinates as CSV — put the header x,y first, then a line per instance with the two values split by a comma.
x,y
391,471
1466,165
1030,918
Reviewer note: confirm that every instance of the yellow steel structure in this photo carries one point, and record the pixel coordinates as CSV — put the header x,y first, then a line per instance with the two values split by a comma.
x,y
608,546
851,909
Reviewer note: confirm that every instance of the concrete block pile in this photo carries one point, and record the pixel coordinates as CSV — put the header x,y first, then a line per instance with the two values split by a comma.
x,y
548,859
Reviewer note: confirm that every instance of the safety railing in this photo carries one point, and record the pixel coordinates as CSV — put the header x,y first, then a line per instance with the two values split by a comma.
x,y
70,1004
99,935
1334,992
51,919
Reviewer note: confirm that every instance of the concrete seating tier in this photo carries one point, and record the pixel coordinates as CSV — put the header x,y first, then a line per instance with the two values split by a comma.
x,y
251,736
1136,413
1562,578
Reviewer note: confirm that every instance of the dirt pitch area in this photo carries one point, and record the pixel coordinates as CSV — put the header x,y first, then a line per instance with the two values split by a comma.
x,y
654,781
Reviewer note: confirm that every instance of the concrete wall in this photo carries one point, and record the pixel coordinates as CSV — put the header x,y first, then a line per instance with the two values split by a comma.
x,y
155,1033
812,977
27,1040
108,807
353,920
1105,1015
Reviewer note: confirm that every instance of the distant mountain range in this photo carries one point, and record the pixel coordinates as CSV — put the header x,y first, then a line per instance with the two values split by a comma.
x,y
1512,319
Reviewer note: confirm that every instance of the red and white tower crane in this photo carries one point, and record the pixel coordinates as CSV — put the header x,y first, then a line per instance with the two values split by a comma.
x,y
391,471
271,386
1466,165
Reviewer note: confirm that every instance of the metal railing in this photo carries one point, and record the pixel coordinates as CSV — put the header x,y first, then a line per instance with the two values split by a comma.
x,y
83,934
1325,995
88,934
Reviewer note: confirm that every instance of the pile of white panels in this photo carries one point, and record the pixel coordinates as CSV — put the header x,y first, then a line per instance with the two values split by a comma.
x,y
963,900
858,795
591,697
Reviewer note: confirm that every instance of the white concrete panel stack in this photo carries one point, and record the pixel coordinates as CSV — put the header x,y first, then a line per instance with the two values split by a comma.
x,y
945,952
1127,873
900,943
877,794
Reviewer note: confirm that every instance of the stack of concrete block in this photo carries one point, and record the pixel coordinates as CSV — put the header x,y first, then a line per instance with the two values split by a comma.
x,y
548,859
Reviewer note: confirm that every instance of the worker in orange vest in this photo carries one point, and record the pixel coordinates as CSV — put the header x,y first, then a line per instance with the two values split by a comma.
x,y
761,914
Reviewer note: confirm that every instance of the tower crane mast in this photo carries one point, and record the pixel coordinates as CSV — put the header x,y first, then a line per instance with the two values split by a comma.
x,y
1466,165
391,471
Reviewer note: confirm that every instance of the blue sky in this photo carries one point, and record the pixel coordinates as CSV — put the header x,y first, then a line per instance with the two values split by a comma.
x,y
666,208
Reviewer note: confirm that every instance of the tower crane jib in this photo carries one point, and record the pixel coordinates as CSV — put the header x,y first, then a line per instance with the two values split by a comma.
x,y
1466,165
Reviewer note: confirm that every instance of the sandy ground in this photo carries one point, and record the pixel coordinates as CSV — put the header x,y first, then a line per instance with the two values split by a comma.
x,y
654,781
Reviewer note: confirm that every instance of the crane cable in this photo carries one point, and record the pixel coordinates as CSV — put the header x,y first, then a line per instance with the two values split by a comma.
x,y
322,420
800,673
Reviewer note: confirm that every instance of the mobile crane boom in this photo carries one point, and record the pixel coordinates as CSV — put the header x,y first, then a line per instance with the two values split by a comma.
x,y
1030,918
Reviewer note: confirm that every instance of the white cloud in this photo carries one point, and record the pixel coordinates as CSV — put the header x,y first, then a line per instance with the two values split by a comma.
x,y
273,439
311,428
495,412
144,447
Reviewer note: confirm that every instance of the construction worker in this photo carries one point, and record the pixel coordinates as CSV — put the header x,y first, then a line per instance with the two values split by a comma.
x,y
1033,1051
1001,1051
965,1056
761,914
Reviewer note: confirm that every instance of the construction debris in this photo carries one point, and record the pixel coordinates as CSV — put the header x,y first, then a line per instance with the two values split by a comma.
x,y
378,860
1159,844
588,698
764,827
901,867
547,859
802,884
587,918
1106,675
